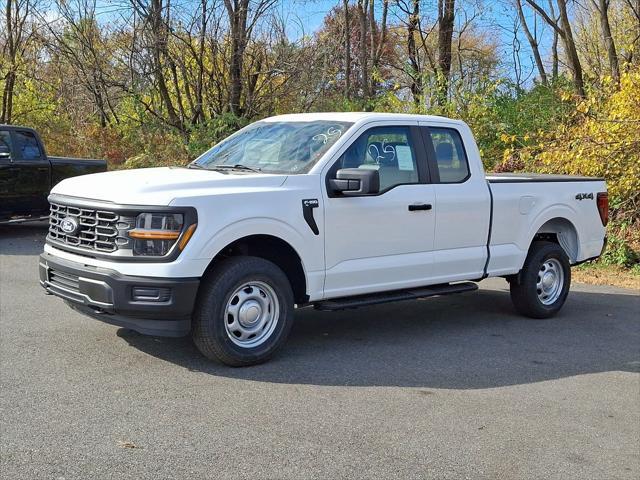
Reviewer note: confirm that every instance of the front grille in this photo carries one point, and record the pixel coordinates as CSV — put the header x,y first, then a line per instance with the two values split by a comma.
x,y
68,281
98,230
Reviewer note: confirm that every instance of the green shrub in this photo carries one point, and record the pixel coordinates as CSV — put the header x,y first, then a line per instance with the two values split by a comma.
x,y
205,135
619,249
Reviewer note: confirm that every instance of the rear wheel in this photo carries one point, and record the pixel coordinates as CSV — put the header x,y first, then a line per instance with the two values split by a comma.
x,y
543,284
244,312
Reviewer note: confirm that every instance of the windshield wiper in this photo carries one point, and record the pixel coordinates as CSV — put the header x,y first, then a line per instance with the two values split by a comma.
x,y
196,166
235,167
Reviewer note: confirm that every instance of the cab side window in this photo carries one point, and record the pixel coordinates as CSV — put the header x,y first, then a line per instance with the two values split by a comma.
x,y
27,146
451,158
389,150
5,144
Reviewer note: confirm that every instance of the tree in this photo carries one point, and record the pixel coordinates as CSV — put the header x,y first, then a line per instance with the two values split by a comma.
x,y
17,12
243,17
563,28
347,49
533,43
413,26
446,18
602,6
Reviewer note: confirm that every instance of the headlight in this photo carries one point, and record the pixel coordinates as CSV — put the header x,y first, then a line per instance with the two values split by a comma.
x,y
156,233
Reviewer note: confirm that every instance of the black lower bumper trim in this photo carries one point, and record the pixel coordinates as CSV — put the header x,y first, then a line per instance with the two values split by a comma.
x,y
160,328
123,300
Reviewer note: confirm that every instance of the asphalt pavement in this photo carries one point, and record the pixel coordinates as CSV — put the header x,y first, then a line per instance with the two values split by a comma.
x,y
442,388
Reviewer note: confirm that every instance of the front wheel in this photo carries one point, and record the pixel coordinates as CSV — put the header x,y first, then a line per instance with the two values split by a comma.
x,y
244,312
543,284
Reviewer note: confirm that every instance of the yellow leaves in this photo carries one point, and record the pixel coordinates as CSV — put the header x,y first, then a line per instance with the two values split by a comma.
x,y
583,107
566,96
606,142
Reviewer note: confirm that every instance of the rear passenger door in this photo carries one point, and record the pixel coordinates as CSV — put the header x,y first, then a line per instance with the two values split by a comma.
x,y
463,202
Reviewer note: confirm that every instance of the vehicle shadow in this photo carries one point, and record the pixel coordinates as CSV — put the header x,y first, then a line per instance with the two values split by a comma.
x,y
23,238
469,341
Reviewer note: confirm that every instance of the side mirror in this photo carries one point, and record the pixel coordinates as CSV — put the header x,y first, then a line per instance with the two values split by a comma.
x,y
356,181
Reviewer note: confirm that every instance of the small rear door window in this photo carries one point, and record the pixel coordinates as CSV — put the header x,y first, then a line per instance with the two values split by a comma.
x,y
27,145
451,158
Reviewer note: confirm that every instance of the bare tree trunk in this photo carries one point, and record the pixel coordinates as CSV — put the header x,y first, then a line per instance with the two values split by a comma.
x,y
159,36
363,6
237,12
10,78
416,74
605,27
570,47
533,43
554,45
378,38
446,18
198,113
347,50
564,30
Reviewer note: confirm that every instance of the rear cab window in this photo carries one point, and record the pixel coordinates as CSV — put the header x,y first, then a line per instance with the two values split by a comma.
x,y
27,146
450,156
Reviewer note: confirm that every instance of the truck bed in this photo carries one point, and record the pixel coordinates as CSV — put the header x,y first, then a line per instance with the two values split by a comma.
x,y
537,177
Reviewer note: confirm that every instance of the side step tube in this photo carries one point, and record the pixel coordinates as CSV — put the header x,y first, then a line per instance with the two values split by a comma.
x,y
396,295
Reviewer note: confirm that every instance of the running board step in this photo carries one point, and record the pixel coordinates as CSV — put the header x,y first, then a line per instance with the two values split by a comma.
x,y
396,295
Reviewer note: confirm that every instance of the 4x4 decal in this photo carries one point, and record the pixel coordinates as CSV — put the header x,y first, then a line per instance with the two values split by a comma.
x,y
584,196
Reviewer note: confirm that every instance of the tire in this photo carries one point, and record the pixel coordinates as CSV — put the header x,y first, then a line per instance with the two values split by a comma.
x,y
542,286
243,296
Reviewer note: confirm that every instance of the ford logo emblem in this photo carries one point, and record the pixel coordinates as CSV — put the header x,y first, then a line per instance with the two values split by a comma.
x,y
69,225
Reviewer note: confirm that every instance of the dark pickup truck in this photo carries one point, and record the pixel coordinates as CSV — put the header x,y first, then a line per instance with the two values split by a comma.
x,y
27,173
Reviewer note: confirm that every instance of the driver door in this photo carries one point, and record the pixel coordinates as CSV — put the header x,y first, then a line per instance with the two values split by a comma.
x,y
381,241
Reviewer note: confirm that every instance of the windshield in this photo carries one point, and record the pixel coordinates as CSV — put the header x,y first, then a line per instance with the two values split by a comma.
x,y
273,147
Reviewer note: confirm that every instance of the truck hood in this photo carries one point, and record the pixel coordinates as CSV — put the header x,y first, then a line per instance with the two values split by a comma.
x,y
160,186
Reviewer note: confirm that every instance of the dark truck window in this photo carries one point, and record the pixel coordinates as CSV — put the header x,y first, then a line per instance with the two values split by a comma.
x,y
5,144
450,155
27,146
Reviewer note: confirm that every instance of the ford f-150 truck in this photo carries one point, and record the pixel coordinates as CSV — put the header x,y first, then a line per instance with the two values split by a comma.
x,y
335,210
27,174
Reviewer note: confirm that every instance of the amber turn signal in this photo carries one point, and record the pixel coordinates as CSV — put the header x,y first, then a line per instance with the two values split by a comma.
x,y
142,234
187,236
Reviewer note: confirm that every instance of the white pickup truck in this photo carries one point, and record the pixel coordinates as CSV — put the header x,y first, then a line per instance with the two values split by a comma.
x,y
334,210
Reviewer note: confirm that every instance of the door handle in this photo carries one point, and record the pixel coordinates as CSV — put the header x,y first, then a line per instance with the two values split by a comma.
x,y
420,206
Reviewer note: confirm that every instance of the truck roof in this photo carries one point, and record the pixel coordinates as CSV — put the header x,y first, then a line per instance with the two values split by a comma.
x,y
4,126
357,116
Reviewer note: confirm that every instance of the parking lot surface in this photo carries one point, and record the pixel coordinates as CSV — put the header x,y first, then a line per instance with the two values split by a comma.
x,y
451,387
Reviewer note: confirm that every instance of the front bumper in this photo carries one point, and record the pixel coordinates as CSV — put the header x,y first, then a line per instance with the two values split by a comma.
x,y
153,306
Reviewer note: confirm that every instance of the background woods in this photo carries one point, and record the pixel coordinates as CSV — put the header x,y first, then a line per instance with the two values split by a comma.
x,y
547,85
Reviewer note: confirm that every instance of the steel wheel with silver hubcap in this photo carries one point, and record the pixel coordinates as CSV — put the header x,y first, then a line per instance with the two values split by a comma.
x,y
550,281
542,286
244,311
251,314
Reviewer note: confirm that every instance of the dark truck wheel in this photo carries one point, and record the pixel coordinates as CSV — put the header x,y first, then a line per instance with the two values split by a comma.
x,y
543,284
244,312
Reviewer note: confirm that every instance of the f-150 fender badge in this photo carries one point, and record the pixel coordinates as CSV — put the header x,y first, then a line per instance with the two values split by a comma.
x,y
584,196
307,211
